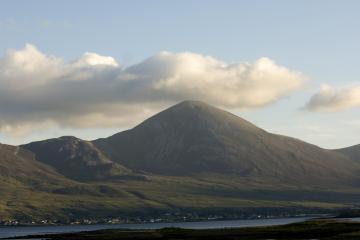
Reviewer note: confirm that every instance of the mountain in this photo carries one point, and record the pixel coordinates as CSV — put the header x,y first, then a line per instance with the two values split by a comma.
x,y
192,159
194,138
76,159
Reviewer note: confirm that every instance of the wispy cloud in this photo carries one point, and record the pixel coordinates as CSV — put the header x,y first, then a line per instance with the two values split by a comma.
x,y
96,90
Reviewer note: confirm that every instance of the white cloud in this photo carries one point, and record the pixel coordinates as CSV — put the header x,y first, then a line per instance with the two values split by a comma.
x,y
94,91
331,99
242,85
92,59
28,67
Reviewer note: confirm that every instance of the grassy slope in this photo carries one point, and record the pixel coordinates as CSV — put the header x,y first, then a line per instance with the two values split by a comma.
x,y
158,193
35,191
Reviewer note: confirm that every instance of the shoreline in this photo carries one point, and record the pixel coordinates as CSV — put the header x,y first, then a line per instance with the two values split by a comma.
x,y
308,229
312,216
64,229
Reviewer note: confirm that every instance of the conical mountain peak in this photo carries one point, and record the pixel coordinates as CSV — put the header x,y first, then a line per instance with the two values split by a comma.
x,y
193,137
196,115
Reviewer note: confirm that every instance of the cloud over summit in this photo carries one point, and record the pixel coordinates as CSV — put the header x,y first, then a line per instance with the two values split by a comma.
x,y
95,90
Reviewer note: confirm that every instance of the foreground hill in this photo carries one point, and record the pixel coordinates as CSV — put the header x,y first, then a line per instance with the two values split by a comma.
x,y
191,159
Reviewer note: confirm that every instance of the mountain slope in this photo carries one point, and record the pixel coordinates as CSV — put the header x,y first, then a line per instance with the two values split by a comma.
x,y
18,166
194,138
76,159
353,152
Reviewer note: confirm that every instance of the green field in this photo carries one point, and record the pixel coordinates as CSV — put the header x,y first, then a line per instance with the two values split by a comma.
x,y
158,194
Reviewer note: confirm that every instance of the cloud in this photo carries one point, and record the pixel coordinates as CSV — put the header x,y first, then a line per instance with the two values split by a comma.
x,y
331,99
90,59
96,91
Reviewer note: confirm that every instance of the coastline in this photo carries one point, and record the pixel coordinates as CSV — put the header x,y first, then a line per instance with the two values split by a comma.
x,y
309,229
41,230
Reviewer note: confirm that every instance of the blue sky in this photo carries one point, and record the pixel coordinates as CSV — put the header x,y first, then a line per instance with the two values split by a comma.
x,y
318,38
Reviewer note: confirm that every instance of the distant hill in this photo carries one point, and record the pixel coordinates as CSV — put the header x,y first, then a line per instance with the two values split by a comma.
x,y
191,158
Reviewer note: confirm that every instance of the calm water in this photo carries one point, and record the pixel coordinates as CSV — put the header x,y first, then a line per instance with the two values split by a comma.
x,y
6,232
